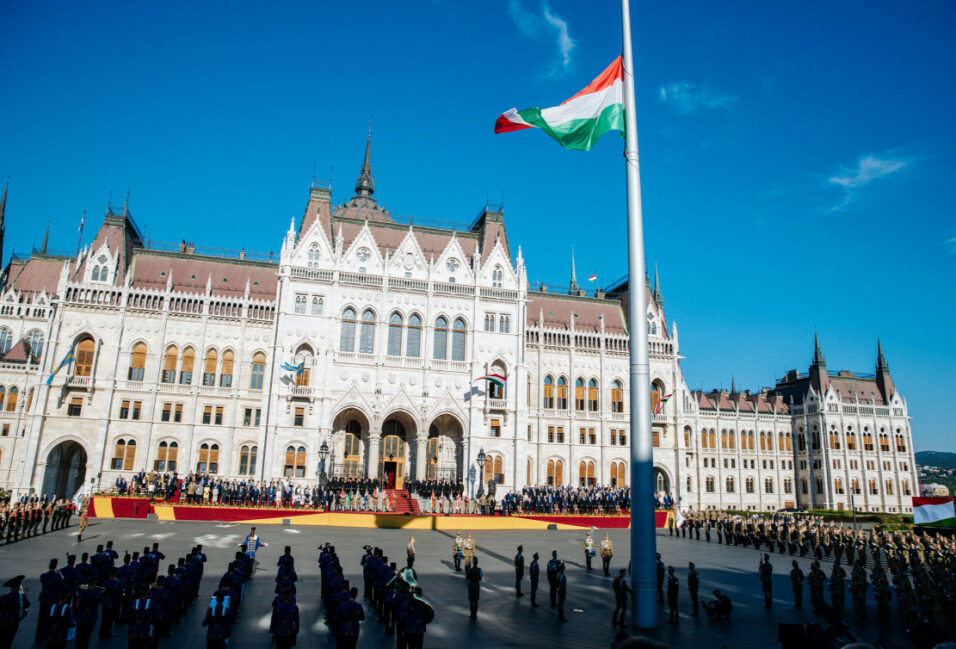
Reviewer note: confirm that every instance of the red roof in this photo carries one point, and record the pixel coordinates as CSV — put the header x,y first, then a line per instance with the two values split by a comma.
x,y
557,311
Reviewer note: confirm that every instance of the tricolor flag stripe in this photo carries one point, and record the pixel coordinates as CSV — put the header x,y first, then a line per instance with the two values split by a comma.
x,y
580,121
497,379
592,278
938,512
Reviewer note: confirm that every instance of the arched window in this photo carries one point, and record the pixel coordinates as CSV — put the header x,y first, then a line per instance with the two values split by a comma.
x,y
225,376
347,342
367,337
905,487
497,390
413,343
555,472
6,340
137,363
687,437
709,484
496,277
458,340
316,307
208,458
247,459
12,396
731,439
394,335
35,340
730,485
494,469
124,455
688,485
303,357
617,397
586,473
562,393
704,442
95,275
889,487
186,371
169,364
768,485
441,338
209,368
750,440
351,448
548,397
294,462
579,394
787,486
712,438
166,457
83,357
592,396
723,438
657,391
258,371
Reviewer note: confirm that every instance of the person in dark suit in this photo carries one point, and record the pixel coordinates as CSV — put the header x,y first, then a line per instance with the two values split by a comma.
x,y
519,570
284,627
534,573
473,579
13,608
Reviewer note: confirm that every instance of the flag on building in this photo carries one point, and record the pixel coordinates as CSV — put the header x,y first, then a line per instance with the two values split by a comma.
x,y
592,277
580,121
298,369
937,512
67,360
496,379
660,403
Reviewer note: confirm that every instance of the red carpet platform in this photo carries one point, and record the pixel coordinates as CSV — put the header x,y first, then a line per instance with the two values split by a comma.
x,y
407,516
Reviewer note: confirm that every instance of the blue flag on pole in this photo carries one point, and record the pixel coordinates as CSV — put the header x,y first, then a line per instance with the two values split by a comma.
x,y
67,360
298,369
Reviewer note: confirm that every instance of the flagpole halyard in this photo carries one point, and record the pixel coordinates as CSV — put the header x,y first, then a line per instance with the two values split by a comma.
x,y
643,541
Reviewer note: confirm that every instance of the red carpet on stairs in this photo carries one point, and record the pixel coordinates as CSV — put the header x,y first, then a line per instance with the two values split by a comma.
x,y
403,502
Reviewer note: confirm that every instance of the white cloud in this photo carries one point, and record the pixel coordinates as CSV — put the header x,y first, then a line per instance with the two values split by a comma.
x,y
686,97
867,169
951,244
545,25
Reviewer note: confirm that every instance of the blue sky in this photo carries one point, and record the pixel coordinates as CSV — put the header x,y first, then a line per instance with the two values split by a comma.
x,y
797,160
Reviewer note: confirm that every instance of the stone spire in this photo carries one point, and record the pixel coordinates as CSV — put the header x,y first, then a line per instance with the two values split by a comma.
x,y
658,297
573,288
365,185
883,379
881,364
817,354
819,378
46,239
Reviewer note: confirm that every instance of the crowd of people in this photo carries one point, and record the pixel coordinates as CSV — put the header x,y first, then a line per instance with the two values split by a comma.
x,y
33,515
917,569
546,499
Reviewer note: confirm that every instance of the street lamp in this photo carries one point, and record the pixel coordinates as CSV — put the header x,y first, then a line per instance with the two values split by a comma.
x,y
323,453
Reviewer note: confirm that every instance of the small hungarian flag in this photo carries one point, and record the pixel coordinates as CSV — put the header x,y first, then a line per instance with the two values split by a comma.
x,y
497,379
660,404
593,277
937,512
581,120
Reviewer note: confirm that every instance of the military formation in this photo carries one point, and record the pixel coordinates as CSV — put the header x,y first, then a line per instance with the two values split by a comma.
x,y
33,516
917,569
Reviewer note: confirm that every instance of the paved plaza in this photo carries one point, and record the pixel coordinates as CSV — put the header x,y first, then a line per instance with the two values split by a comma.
x,y
503,619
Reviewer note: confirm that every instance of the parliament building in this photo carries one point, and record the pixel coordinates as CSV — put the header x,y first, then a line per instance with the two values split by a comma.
x,y
366,334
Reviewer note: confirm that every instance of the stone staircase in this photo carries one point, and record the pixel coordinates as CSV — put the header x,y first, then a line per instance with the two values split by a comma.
x,y
404,503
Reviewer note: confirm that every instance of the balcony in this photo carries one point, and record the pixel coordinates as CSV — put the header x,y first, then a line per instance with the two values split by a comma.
x,y
131,385
214,391
175,388
402,361
80,382
353,357
301,392
496,404
620,416
454,366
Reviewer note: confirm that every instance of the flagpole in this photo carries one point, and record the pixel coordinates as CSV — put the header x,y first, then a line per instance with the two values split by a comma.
x,y
643,542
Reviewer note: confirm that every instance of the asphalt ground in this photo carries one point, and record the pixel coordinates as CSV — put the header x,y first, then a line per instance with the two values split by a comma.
x,y
504,620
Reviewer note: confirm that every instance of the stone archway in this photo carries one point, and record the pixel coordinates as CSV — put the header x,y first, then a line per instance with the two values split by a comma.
x,y
349,452
662,482
397,458
65,470
444,455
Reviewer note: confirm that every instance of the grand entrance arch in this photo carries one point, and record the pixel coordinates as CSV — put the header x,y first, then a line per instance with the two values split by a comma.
x,y
65,470
394,460
662,482
445,451
349,452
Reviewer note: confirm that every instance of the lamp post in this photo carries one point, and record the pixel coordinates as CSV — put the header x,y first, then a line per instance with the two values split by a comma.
x,y
323,453
481,459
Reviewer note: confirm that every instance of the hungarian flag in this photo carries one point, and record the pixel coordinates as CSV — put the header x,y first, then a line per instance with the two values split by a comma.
x,y
497,379
592,277
660,404
581,120
937,512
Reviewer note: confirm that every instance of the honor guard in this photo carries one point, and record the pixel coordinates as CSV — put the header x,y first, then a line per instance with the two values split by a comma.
x,y
562,591
607,551
59,621
458,551
519,571
284,627
796,583
13,608
621,590
588,549
87,610
765,574
218,620
469,551
473,578
673,589
693,586
347,618
552,574
534,573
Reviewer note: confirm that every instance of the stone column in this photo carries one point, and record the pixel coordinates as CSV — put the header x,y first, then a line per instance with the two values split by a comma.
x,y
374,441
421,444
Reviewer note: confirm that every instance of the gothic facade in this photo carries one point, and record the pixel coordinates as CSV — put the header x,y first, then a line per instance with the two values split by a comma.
x,y
367,336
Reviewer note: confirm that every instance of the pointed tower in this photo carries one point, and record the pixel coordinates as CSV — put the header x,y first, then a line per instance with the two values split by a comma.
x,y
365,184
658,296
883,379
46,239
819,378
573,288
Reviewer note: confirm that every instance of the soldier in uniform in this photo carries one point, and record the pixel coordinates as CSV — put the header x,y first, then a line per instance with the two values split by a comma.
x,y
588,549
469,551
815,581
519,571
562,591
13,608
411,552
87,609
84,521
693,586
473,579
607,551
620,597
113,594
673,589
51,583
765,574
218,621
284,624
347,618
458,551
552,574
837,588
59,621
796,583
534,573
858,587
